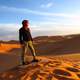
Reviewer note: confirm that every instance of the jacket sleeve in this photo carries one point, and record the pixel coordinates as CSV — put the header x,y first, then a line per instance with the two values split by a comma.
x,y
20,37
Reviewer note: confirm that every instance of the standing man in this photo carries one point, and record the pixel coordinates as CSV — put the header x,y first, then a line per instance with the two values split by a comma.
x,y
26,41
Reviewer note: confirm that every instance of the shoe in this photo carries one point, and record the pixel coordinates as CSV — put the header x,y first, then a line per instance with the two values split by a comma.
x,y
23,63
35,60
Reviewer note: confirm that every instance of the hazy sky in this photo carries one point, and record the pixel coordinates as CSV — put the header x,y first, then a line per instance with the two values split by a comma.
x,y
47,17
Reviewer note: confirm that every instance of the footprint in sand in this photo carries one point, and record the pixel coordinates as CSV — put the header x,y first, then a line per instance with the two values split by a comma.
x,y
73,69
61,72
68,73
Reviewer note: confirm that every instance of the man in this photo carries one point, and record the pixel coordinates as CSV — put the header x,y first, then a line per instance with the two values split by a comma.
x,y
26,40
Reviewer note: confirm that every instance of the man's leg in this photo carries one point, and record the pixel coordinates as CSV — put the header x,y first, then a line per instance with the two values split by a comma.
x,y
32,49
24,49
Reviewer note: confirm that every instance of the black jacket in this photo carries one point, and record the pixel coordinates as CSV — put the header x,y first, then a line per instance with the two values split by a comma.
x,y
24,35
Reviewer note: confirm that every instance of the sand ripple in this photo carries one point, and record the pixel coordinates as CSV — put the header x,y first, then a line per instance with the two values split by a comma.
x,y
46,69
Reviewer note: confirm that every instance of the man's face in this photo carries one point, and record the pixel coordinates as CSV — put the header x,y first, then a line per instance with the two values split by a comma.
x,y
26,24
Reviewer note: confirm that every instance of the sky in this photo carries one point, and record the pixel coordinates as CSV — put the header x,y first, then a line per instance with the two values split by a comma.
x,y
46,17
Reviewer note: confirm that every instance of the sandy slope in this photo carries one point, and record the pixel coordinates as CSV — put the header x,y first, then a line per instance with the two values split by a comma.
x,y
49,68
60,67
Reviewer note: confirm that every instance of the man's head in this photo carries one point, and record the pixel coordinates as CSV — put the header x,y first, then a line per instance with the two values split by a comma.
x,y
25,23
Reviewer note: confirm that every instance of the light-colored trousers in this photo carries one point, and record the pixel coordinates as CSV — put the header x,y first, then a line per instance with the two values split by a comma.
x,y
26,45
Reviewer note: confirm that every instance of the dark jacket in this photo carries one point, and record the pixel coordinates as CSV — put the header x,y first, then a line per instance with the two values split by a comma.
x,y
24,35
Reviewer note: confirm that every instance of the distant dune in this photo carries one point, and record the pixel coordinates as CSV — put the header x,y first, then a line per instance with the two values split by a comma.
x,y
47,45
62,45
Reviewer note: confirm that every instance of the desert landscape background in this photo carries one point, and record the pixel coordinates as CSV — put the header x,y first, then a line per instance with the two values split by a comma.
x,y
59,55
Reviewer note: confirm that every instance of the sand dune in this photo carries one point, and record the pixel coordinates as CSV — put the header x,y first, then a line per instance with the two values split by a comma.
x,y
59,60
4,48
49,68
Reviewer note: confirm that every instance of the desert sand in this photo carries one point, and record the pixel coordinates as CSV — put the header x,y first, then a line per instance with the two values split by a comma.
x,y
49,68
59,60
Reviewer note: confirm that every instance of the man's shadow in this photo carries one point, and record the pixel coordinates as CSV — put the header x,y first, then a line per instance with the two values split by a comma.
x,y
8,61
